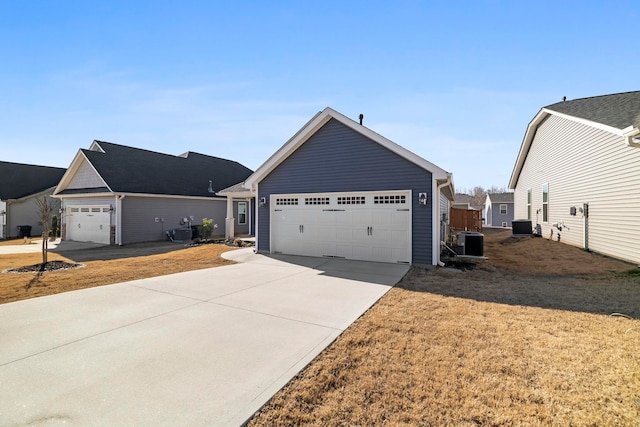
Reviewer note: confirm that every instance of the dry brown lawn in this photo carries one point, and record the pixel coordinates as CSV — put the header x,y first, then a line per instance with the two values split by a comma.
x,y
526,339
19,286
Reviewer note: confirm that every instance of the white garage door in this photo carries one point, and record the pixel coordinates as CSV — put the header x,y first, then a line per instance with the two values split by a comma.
x,y
369,226
89,224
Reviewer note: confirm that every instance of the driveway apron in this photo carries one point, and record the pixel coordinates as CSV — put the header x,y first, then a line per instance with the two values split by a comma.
x,y
206,347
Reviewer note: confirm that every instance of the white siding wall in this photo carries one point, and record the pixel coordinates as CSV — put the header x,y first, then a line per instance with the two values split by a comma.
x,y
582,164
85,177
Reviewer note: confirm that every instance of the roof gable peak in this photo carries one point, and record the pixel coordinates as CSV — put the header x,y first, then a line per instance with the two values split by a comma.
x,y
317,122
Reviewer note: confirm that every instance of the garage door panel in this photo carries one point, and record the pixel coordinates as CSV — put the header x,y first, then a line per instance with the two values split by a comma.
x,y
365,226
89,224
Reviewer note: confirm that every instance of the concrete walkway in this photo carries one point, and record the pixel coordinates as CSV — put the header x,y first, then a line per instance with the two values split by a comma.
x,y
35,246
201,348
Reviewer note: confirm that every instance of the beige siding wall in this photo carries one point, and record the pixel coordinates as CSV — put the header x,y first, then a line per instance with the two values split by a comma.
x,y
582,164
85,177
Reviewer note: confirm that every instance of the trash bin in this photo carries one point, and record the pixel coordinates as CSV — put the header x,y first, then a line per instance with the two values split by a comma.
x,y
24,231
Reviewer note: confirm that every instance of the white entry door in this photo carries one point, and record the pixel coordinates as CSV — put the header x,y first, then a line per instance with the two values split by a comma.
x,y
89,224
369,226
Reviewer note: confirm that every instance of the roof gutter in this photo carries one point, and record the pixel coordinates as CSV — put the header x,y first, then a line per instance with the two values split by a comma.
x,y
632,135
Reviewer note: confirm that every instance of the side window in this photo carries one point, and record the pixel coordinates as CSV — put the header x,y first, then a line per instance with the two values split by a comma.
x,y
503,209
545,202
242,213
529,204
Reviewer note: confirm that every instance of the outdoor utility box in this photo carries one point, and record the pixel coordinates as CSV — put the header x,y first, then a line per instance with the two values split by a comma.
x,y
181,234
24,231
470,243
521,226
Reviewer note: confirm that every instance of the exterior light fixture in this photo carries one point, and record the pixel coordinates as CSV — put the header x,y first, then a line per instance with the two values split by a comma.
x,y
422,198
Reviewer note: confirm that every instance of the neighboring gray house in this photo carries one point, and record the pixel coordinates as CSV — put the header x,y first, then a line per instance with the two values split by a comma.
x,y
498,209
114,194
20,186
338,189
578,174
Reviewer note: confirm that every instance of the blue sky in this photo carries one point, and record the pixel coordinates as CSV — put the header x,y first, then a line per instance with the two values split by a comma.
x,y
454,82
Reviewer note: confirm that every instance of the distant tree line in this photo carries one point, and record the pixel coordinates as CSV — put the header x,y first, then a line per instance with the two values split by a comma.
x,y
479,194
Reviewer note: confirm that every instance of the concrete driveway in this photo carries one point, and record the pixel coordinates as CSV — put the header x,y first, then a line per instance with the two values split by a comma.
x,y
206,347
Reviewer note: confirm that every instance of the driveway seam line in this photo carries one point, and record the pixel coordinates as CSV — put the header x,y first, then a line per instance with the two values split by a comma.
x,y
274,316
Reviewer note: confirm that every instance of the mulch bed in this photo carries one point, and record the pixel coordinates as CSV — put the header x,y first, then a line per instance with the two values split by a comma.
x,y
42,268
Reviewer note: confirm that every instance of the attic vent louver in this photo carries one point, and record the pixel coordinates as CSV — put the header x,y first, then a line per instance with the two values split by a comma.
x,y
211,190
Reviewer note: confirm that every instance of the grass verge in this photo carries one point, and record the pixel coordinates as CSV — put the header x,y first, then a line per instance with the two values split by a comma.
x,y
15,287
527,339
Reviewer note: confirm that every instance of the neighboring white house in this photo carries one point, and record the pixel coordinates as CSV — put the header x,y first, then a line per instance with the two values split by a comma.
x,y
577,174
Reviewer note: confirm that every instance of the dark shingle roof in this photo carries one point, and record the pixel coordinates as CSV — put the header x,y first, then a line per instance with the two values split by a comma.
x,y
19,180
619,110
462,198
501,197
134,170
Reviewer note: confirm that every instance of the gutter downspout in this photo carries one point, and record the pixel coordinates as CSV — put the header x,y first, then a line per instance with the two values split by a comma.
x,y
119,219
441,186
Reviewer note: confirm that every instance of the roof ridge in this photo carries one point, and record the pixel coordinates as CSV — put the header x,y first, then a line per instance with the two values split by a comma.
x,y
135,148
35,166
594,97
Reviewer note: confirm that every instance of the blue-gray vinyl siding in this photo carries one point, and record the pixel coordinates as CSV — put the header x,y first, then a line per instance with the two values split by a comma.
x,y
338,159
139,214
495,218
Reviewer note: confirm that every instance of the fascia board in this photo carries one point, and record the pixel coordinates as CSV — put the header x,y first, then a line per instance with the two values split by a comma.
x,y
526,144
320,120
95,146
528,138
73,168
38,194
146,195
246,195
287,149
591,123
437,172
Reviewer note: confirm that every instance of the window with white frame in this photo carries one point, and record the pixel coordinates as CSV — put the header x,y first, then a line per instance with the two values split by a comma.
x,y
503,209
529,204
242,213
545,203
